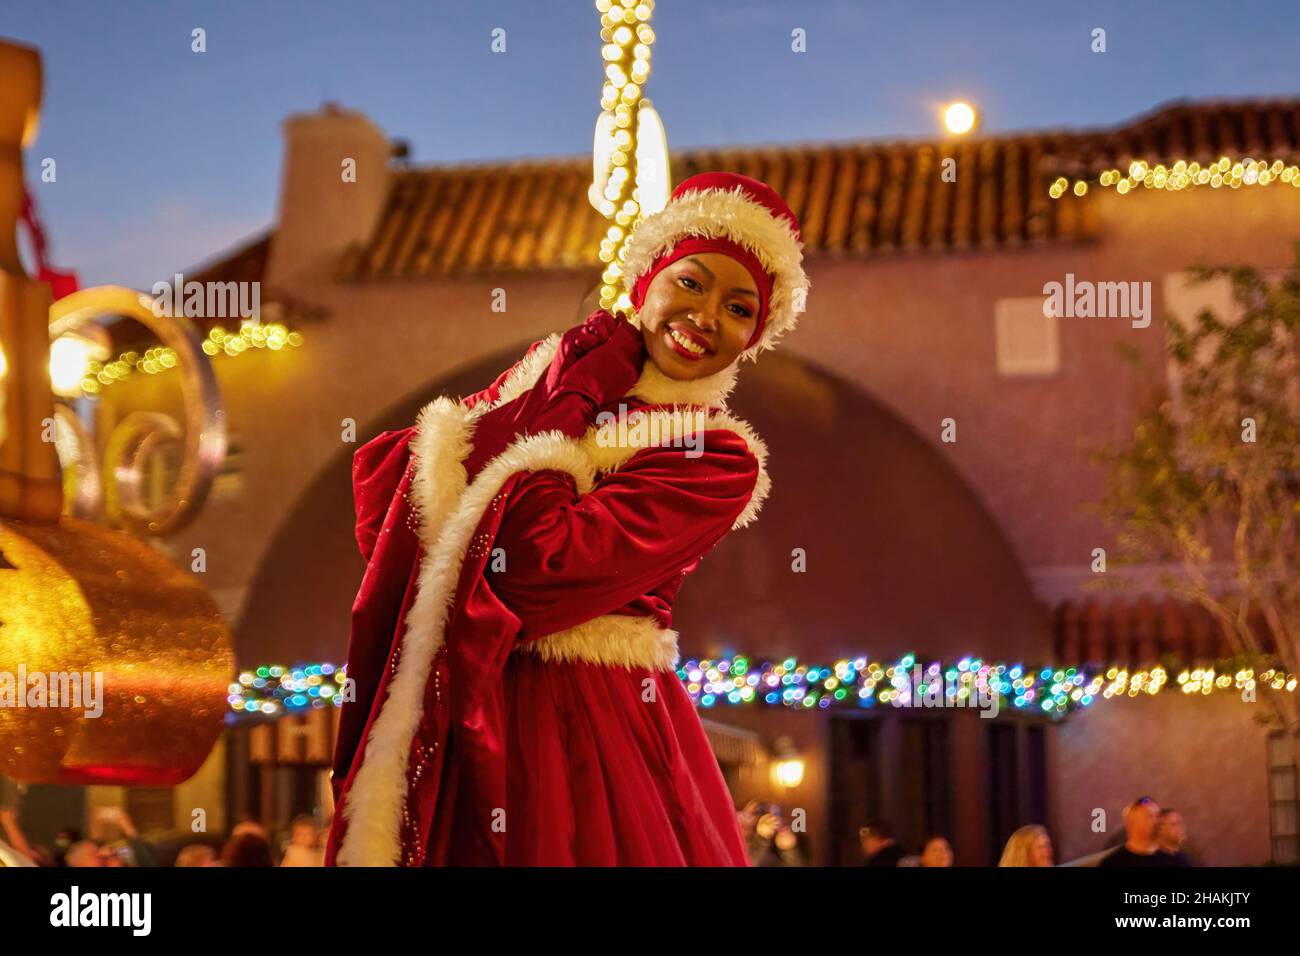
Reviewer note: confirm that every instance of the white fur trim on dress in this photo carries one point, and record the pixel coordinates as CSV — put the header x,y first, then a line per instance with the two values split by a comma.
x,y
442,441
729,214
373,805
612,640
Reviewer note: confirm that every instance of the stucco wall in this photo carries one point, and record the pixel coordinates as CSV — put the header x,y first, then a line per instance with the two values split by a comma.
x,y
917,332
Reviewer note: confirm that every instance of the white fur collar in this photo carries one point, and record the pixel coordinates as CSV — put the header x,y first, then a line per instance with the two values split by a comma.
x,y
658,389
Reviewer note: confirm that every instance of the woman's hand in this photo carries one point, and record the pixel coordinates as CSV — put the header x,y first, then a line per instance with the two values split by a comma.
x,y
581,340
599,360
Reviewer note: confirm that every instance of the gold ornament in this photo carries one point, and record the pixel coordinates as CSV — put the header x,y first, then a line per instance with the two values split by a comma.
x,y
113,662
77,599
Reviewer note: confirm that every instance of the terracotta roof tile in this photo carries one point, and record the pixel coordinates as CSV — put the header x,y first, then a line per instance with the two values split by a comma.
x,y
852,198
247,263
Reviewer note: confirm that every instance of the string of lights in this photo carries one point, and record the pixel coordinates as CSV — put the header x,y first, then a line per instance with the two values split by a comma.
x,y
275,690
261,335
626,37
1185,176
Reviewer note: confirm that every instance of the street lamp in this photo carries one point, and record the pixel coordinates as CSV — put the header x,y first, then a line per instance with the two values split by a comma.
x,y
959,118
787,771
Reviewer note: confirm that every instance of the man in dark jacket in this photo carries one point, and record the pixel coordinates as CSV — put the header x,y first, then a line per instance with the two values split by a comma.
x,y
1141,848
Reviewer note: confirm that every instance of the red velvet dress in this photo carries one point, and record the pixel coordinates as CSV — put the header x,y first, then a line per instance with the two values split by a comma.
x,y
549,726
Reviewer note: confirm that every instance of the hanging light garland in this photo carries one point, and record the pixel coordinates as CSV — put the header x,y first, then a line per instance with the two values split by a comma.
x,y
864,683
629,155
1202,680
271,691
1185,176
274,690
262,335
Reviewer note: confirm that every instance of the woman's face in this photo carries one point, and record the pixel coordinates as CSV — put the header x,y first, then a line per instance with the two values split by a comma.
x,y
698,315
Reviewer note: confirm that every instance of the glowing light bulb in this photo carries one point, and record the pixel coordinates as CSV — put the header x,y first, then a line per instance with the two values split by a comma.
x,y
69,362
959,118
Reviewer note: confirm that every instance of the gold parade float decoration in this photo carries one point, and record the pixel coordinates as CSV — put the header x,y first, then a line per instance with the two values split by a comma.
x,y
113,661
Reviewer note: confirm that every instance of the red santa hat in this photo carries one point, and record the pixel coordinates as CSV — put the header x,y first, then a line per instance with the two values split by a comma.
x,y
740,217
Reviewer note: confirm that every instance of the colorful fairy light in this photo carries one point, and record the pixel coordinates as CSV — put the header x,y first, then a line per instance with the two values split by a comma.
x,y
275,690
857,683
1185,176
864,683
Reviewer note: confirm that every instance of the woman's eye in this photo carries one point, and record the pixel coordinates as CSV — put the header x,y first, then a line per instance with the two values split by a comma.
x,y
741,311
693,283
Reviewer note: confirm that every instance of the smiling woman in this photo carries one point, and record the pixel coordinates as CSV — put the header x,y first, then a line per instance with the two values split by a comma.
x,y
699,315
512,645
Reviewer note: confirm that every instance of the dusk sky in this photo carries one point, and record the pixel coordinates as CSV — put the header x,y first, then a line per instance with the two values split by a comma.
x,y
167,157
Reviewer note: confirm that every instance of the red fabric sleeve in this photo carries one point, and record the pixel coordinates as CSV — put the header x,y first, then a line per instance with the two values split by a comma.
x,y
570,558
381,480
377,469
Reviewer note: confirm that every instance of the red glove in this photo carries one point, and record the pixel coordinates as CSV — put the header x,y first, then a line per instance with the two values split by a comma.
x,y
596,363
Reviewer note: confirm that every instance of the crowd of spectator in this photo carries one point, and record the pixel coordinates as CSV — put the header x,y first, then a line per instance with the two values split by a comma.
x,y
114,840
1152,837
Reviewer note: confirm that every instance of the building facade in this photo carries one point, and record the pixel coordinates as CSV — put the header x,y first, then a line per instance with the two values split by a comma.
x,y
929,431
